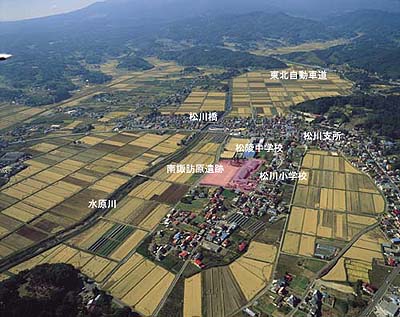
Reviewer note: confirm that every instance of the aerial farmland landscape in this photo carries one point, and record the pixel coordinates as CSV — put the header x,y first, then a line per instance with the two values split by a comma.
x,y
199,158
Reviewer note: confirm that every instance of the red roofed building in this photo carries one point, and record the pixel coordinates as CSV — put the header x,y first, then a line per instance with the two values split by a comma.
x,y
242,247
183,255
199,264
391,262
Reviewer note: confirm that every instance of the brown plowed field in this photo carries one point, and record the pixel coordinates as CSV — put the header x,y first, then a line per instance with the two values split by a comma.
x,y
221,293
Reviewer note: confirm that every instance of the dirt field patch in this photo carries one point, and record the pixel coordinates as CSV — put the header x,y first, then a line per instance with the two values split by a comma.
x,y
221,293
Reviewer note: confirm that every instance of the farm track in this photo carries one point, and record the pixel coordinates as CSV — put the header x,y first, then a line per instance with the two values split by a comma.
x,y
330,265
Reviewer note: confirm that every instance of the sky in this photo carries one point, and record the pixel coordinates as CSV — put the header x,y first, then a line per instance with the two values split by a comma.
x,y
11,10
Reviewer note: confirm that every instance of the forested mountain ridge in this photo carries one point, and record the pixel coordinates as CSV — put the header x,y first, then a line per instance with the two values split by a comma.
x,y
251,27
375,50
374,113
49,52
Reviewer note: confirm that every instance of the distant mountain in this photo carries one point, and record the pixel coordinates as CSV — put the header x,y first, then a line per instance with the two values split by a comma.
x,y
48,52
251,27
376,50
320,9
370,22
132,13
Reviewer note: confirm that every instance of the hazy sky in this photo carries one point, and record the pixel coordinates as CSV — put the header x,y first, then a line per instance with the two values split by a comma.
x,y
25,9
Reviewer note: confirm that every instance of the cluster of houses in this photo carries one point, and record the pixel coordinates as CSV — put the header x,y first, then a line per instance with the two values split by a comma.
x,y
91,295
184,243
369,156
10,164
220,223
159,121
280,288
313,302
390,224
275,130
215,224
263,201
213,232
389,305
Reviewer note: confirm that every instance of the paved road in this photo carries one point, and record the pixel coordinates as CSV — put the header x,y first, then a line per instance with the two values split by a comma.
x,y
381,292
179,274
86,93
260,294
326,269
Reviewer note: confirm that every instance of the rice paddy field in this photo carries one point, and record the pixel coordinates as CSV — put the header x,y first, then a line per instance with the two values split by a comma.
x,y
10,115
127,87
356,263
230,147
162,69
253,270
139,283
96,267
220,291
100,163
256,94
125,81
203,153
65,173
335,202
192,300
109,239
203,101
